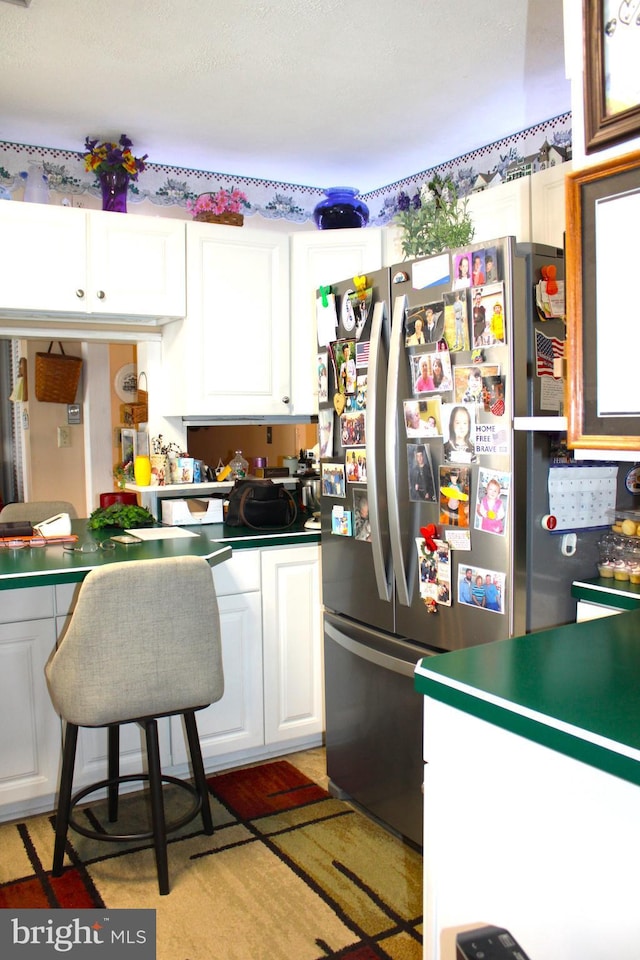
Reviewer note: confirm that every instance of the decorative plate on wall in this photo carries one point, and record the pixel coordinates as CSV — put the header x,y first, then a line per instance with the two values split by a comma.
x,y
125,383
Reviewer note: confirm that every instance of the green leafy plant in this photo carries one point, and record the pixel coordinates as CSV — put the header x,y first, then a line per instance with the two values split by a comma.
x,y
434,220
120,515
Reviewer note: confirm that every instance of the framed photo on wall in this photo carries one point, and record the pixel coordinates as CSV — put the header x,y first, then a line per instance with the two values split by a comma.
x,y
611,75
603,334
129,442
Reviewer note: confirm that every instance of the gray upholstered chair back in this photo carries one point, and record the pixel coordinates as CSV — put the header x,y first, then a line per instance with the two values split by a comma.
x,y
143,640
36,511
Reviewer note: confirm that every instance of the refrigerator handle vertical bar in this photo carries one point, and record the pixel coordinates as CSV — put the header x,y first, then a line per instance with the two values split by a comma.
x,y
375,448
396,351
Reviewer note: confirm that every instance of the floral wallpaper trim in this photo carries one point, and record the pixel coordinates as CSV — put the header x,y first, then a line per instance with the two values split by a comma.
x,y
524,153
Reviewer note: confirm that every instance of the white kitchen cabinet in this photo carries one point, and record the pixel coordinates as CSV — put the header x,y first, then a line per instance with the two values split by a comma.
x,y
320,258
30,732
502,211
548,221
270,618
235,723
90,265
293,684
231,353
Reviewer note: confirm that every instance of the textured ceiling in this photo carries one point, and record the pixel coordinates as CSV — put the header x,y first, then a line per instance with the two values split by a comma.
x,y
311,92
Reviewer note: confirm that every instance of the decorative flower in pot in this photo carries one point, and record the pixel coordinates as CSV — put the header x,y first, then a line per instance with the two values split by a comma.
x,y
435,219
221,207
114,165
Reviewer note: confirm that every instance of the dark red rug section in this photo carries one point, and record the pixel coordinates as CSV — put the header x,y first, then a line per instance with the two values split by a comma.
x,y
270,788
67,892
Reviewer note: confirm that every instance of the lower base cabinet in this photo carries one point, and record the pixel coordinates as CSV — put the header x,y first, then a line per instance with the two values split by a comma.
x,y
269,602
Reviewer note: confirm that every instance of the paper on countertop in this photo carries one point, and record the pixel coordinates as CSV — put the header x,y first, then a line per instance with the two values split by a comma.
x,y
160,533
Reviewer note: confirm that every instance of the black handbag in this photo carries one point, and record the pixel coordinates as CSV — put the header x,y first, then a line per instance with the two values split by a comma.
x,y
260,504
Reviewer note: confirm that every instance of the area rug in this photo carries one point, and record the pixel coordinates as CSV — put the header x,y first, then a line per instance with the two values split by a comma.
x,y
290,873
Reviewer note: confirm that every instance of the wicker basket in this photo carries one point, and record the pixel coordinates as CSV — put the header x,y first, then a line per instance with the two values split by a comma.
x,y
131,414
57,376
230,219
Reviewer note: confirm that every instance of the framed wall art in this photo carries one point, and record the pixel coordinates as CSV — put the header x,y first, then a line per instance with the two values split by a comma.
x,y
603,333
611,39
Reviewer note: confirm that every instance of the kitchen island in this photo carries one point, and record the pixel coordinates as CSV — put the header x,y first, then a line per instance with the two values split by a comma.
x,y
532,776
269,600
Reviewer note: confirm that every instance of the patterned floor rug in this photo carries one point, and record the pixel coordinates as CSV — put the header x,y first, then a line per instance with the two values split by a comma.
x,y
290,873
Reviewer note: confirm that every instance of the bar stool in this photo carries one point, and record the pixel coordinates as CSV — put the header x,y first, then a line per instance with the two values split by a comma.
x,y
143,643
35,511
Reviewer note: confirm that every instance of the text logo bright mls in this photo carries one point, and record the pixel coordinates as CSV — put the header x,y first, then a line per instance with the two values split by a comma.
x,y
33,934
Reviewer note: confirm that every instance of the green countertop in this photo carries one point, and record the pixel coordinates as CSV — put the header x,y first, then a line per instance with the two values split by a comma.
x,y
609,592
575,689
42,566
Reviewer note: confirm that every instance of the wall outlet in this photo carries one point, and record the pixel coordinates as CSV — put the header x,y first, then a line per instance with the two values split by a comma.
x,y
64,437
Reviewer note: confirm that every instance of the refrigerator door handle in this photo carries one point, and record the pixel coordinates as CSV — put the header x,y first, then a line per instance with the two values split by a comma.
x,y
375,450
396,349
370,654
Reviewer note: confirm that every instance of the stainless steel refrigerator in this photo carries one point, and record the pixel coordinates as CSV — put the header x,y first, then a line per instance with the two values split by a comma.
x,y
384,606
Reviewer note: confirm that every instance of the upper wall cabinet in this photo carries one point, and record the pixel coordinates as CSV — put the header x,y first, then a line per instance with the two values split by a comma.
x,y
230,356
320,258
90,265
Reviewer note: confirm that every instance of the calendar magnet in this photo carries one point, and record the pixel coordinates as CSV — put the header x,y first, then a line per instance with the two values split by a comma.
x,y
549,522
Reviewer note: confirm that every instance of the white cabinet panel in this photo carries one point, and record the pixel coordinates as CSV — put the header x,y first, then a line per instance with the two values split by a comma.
x,y
502,211
319,259
230,355
29,726
88,264
292,642
235,722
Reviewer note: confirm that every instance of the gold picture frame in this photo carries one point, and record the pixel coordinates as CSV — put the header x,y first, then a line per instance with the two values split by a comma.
x,y
602,204
611,89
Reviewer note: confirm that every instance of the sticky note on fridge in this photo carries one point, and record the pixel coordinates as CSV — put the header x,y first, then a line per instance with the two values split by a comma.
x,y
326,319
430,272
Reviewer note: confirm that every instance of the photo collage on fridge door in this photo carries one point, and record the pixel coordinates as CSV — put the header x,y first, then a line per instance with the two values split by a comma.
x,y
455,421
342,363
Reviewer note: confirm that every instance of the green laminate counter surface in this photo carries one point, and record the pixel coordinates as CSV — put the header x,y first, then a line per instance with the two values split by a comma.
x,y
575,689
41,566
608,592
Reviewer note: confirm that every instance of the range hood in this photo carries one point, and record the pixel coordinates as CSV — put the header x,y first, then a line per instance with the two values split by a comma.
x,y
245,420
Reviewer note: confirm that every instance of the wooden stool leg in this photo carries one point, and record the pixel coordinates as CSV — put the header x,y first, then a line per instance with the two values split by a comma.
x,y
157,805
113,771
64,796
198,769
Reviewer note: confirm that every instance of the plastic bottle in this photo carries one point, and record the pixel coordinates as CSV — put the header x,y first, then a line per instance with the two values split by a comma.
x,y
239,466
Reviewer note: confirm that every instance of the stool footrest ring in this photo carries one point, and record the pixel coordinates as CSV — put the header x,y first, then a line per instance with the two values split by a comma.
x,y
191,813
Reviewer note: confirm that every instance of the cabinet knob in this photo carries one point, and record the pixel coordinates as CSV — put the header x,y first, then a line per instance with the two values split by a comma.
x,y
100,294
79,293
286,399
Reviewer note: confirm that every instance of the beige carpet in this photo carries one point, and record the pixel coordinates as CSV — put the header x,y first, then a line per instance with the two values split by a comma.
x,y
289,874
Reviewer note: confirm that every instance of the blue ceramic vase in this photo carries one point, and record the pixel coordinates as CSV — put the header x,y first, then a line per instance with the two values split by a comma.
x,y
341,208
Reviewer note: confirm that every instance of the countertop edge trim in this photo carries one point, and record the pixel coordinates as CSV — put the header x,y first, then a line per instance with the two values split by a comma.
x,y
537,731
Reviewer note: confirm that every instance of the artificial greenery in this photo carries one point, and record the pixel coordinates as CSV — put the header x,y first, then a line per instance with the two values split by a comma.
x,y
434,220
120,515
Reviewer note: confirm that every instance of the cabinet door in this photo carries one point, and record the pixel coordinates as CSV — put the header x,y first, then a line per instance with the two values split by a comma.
x,y
502,211
548,222
30,732
235,722
43,256
230,355
291,617
321,258
136,265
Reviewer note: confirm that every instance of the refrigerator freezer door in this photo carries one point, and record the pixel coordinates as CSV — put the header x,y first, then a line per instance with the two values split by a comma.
x,y
374,724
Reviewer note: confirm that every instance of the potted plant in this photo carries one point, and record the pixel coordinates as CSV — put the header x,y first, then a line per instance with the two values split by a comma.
x,y
221,207
435,219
